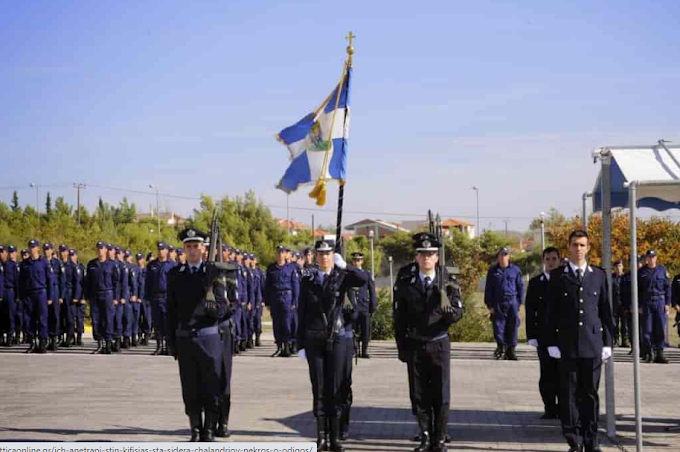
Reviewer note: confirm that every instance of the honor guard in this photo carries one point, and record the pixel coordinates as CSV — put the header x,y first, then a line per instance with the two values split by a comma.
x,y
145,324
77,303
579,333
365,300
537,299
503,297
281,294
654,287
196,303
157,287
10,303
38,290
322,335
423,313
618,311
101,288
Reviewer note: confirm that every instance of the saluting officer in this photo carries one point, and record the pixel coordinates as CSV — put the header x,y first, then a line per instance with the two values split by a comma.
x,y
365,300
537,299
579,333
101,288
655,300
423,313
195,306
157,288
37,282
321,332
503,297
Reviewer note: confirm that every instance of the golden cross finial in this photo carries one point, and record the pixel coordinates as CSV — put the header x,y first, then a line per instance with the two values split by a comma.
x,y
350,48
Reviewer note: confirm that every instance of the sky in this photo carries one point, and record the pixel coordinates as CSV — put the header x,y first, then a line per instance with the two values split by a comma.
x,y
510,97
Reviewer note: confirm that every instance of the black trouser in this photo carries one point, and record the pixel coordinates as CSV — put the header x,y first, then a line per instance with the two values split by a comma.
x,y
621,321
344,367
364,329
549,382
430,369
579,401
227,356
328,371
200,370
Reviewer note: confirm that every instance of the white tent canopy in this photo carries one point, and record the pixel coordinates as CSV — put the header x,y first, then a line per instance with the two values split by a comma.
x,y
658,163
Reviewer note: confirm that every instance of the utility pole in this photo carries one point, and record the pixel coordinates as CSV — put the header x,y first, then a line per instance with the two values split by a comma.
x,y
158,211
78,186
506,227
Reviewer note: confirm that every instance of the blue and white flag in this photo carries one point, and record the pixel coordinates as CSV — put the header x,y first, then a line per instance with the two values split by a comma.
x,y
318,144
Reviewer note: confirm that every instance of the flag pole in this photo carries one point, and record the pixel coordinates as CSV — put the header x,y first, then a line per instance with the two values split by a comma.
x,y
341,191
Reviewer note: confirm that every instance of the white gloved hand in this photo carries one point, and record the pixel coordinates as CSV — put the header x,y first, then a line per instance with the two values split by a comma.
x,y
339,261
606,353
533,343
302,354
554,352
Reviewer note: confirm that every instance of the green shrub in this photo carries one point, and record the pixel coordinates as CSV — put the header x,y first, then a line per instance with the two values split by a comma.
x,y
382,323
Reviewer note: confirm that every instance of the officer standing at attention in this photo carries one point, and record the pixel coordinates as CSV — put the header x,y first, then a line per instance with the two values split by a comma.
x,y
365,300
54,309
195,305
618,311
423,313
157,287
67,315
579,333
66,321
320,334
537,299
145,323
503,296
131,311
655,301
77,304
281,294
10,301
37,282
3,309
675,299
101,288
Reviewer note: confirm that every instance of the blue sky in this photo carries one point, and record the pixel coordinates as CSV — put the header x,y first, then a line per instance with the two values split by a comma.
x,y
508,96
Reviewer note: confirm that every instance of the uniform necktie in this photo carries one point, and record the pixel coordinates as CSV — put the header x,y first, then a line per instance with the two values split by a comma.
x,y
194,270
428,281
579,275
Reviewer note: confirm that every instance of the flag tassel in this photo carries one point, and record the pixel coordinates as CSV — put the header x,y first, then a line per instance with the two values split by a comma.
x,y
319,192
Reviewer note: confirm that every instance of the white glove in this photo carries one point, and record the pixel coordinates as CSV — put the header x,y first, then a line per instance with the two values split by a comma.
x,y
554,352
533,343
302,354
339,261
606,353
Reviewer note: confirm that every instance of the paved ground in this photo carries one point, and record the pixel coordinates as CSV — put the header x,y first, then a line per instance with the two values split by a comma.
x,y
75,396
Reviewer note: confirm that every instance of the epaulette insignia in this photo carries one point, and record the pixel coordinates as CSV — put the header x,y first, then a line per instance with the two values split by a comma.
x,y
182,268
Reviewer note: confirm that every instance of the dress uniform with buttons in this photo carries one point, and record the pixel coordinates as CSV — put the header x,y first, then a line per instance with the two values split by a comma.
x,y
366,301
537,299
157,287
618,309
101,288
321,333
579,332
281,295
503,293
195,307
654,288
423,313
38,289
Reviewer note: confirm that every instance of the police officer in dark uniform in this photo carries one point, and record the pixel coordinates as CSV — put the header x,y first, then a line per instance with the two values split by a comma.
x,y
579,332
503,297
626,304
655,300
196,304
54,309
537,298
37,283
423,313
65,315
3,315
365,300
145,323
101,288
618,311
131,311
77,302
321,331
157,287
10,301
675,300
281,294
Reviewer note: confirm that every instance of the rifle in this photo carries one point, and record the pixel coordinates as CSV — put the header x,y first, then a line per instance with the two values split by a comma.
x,y
218,275
436,229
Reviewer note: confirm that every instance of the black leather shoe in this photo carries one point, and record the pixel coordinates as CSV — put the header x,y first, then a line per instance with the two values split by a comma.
x,y
195,425
424,445
208,432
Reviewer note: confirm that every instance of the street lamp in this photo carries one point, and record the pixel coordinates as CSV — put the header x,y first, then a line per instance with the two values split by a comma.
x,y
370,238
389,258
158,212
37,197
477,193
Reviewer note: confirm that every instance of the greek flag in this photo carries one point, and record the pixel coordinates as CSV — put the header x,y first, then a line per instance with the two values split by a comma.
x,y
318,144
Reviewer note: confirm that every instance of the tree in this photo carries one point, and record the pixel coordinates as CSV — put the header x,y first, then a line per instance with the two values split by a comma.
x,y
15,202
48,205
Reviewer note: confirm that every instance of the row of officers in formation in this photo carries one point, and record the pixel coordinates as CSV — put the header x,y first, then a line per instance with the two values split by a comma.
x,y
657,294
127,298
44,297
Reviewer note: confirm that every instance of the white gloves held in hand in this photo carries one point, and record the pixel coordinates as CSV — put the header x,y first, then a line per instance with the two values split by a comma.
x,y
302,354
533,343
554,352
606,353
339,261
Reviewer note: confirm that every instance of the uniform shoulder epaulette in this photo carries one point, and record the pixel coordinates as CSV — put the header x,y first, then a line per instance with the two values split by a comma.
x,y
407,270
